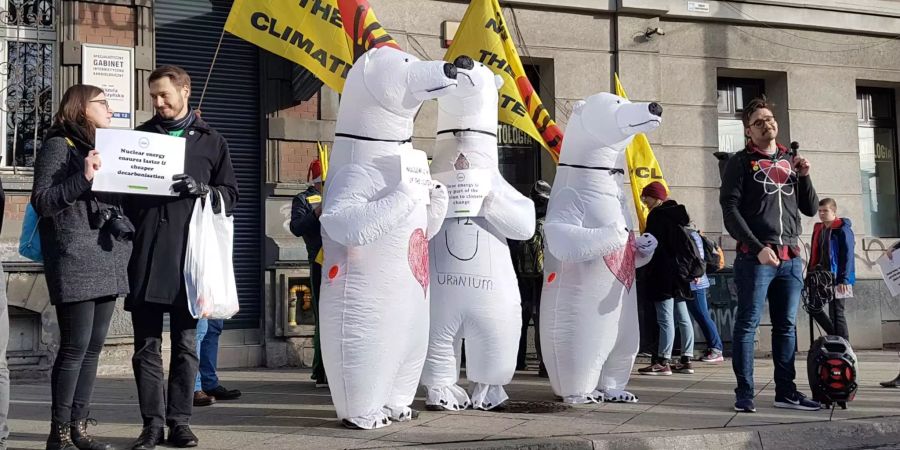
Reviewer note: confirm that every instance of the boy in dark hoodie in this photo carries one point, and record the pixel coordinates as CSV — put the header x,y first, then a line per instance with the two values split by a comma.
x,y
832,249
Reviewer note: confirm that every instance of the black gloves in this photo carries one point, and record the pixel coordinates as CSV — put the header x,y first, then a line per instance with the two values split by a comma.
x,y
186,185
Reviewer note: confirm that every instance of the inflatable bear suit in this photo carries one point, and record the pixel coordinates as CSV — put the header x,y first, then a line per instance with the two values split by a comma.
x,y
589,323
375,282
474,294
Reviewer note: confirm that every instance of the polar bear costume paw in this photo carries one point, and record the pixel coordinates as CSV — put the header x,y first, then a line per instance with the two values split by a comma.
x,y
446,398
370,422
400,413
619,396
488,396
582,399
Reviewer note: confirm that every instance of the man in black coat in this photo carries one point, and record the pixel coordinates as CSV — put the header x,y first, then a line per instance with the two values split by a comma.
x,y
157,262
305,211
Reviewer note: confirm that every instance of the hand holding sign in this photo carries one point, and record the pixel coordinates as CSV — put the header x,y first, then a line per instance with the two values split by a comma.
x,y
91,164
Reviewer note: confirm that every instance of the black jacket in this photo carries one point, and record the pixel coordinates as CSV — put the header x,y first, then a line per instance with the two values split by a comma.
x,y
161,223
666,276
305,223
761,204
81,262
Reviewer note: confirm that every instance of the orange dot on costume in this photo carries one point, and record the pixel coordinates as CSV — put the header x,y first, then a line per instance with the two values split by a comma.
x,y
333,272
551,278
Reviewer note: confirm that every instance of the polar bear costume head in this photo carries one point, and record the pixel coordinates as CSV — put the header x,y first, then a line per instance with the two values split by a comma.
x,y
467,118
385,89
601,127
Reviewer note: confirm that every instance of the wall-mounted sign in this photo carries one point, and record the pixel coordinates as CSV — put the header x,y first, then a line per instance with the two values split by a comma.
x,y
698,7
111,69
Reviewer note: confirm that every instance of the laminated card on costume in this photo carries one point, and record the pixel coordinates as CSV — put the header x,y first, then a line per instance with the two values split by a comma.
x,y
414,172
136,162
890,271
466,190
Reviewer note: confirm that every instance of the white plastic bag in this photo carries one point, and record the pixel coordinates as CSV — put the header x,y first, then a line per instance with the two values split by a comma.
x,y
208,267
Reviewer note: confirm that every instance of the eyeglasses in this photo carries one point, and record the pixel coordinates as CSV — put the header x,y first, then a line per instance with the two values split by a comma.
x,y
761,123
103,102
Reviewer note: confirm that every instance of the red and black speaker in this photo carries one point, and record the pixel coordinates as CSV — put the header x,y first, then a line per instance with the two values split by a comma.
x,y
831,366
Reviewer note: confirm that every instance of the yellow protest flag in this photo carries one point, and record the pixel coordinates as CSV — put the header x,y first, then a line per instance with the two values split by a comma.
x,y
643,168
484,37
323,160
324,36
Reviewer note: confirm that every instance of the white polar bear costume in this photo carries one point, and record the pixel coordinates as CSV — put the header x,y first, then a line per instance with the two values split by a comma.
x,y
374,308
474,293
589,323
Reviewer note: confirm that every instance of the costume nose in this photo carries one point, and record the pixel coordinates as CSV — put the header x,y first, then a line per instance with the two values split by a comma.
x,y
464,62
450,70
655,109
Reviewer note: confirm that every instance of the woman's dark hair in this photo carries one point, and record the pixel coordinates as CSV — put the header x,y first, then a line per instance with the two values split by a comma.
x,y
73,106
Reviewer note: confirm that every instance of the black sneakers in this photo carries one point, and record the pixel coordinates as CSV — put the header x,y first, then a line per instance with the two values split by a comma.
x,y
220,393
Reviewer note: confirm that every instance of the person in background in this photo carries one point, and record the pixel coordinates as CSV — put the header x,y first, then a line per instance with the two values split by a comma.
x,y
668,276
832,248
305,211
895,383
207,388
528,257
699,310
765,189
86,243
156,269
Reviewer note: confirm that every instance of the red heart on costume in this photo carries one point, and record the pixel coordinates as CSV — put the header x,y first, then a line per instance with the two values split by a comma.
x,y
621,263
778,172
418,257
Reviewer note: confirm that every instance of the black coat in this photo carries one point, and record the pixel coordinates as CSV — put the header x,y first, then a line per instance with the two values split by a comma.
x,y
81,262
665,275
161,223
305,223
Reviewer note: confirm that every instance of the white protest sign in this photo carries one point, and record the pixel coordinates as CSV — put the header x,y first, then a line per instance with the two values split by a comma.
x,y
466,190
111,68
135,162
890,271
415,173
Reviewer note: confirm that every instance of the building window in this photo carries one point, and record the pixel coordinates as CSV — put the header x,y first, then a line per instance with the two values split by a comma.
x,y
878,160
27,47
733,94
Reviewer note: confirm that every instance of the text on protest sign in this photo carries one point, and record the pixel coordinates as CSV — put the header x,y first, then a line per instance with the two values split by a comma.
x,y
136,162
466,190
415,173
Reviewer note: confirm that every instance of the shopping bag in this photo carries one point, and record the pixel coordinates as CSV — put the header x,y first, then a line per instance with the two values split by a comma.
x,y
30,239
208,263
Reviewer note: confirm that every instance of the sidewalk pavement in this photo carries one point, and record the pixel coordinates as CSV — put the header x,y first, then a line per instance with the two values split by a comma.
x,y
281,409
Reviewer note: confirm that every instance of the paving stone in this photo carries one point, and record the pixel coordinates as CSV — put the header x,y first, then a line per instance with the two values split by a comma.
x,y
282,409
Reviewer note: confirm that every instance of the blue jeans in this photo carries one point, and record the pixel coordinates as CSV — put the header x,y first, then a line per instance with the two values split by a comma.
x,y
208,331
782,285
665,310
700,312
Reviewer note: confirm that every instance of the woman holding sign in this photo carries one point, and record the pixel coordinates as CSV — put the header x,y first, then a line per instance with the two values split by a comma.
x,y
86,244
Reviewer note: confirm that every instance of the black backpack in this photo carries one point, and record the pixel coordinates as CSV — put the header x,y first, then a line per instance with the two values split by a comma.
x,y
688,262
712,254
831,367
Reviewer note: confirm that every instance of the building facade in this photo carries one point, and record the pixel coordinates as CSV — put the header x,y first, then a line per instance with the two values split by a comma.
x,y
831,69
